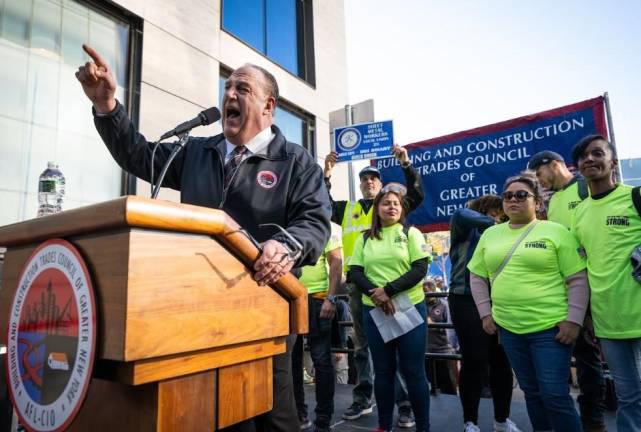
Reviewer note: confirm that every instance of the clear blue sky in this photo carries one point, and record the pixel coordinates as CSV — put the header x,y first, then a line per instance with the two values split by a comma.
x,y
437,67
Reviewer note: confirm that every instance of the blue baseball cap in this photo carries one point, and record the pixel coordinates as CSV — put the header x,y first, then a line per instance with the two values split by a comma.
x,y
370,170
543,158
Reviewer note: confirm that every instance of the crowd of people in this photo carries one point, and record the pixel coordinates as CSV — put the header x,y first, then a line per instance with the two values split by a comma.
x,y
533,286
526,294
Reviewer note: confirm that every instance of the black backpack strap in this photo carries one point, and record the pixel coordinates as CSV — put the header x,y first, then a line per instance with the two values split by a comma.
x,y
582,185
636,198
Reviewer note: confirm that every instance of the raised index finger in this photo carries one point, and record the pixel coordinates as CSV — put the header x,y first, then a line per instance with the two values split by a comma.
x,y
97,58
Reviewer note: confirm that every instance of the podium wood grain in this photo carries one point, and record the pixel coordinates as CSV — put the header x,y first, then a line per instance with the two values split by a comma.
x,y
139,212
185,335
156,369
244,390
162,293
180,404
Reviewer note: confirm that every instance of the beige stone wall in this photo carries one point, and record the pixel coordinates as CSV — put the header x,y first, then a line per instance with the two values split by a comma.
x,y
184,46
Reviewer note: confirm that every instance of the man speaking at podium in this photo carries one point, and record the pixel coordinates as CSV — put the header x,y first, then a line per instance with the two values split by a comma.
x,y
250,171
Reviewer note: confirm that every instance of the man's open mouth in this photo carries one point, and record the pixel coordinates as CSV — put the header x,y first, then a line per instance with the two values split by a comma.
x,y
232,113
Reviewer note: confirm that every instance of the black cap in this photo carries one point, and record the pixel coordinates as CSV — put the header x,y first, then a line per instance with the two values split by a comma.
x,y
543,158
370,170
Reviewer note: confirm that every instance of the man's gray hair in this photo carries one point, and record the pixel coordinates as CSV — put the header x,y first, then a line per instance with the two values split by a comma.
x,y
271,86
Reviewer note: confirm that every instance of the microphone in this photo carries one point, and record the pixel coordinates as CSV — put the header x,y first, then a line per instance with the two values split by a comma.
x,y
205,118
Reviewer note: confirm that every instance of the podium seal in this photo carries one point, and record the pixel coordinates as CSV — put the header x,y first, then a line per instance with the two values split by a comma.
x,y
51,337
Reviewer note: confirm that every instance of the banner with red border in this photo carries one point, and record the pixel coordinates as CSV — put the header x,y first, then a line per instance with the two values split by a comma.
x,y
462,166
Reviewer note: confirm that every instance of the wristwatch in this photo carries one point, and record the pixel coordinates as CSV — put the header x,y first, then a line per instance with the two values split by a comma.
x,y
332,299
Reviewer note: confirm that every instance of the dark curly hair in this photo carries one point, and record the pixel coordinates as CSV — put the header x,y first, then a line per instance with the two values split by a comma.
x,y
485,204
528,178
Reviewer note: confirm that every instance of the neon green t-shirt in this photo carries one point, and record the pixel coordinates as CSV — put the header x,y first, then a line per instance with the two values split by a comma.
x,y
530,294
387,259
316,277
563,204
609,229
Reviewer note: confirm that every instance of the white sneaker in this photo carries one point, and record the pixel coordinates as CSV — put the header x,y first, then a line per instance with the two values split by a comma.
x,y
470,427
507,426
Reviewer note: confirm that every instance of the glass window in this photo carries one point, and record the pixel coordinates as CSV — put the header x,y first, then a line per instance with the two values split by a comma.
x,y
631,169
280,29
221,88
15,21
291,125
45,29
44,115
246,20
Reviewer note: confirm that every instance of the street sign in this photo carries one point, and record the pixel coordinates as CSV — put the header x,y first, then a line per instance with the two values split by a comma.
x,y
364,141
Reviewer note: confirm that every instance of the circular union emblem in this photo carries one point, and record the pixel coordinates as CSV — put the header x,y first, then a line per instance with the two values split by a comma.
x,y
267,179
349,138
51,337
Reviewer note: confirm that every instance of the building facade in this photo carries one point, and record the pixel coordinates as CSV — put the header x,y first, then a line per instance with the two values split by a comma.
x,y
631,170
170,58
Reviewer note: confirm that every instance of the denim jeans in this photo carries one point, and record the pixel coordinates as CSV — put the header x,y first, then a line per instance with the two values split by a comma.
x,y
400,390
409,351
362,391
542,367
624,359
320,347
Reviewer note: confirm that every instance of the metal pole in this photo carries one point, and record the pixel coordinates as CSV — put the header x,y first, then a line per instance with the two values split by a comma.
x,y
608,116
350,166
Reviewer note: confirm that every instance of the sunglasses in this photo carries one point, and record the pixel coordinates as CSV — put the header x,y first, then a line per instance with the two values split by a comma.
x,y
520,195
394,187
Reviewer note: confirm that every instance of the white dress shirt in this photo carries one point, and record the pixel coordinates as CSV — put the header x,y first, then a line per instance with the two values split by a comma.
x,y
258,144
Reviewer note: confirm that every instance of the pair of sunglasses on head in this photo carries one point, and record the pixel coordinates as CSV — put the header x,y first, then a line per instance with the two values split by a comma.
x,y
394,187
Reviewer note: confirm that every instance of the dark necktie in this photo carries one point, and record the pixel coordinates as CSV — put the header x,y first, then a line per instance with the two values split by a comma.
x,y
232,164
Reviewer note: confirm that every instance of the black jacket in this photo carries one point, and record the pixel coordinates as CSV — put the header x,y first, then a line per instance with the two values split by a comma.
x,y
466,227
284,185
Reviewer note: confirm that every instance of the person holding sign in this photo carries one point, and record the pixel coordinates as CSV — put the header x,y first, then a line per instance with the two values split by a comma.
x,y
388,264
569,191
538,301
608,226
355,217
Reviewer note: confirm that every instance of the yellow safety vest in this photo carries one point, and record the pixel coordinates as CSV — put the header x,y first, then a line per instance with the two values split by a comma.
x,y
355,221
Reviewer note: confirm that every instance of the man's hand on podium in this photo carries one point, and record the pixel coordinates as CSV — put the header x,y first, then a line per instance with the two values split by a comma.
x,y
273,263
98,82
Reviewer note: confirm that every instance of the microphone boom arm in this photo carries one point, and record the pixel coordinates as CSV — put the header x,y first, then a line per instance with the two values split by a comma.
x,y
177,148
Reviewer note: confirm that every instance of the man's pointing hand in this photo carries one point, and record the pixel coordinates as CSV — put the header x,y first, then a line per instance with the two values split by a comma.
x,y
97,81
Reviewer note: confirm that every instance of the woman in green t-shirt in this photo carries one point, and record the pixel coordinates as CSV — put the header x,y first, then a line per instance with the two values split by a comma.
x,y
388,265
538,301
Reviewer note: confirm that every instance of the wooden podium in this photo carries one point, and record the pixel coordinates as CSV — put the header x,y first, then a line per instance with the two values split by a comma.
x,y
185,336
